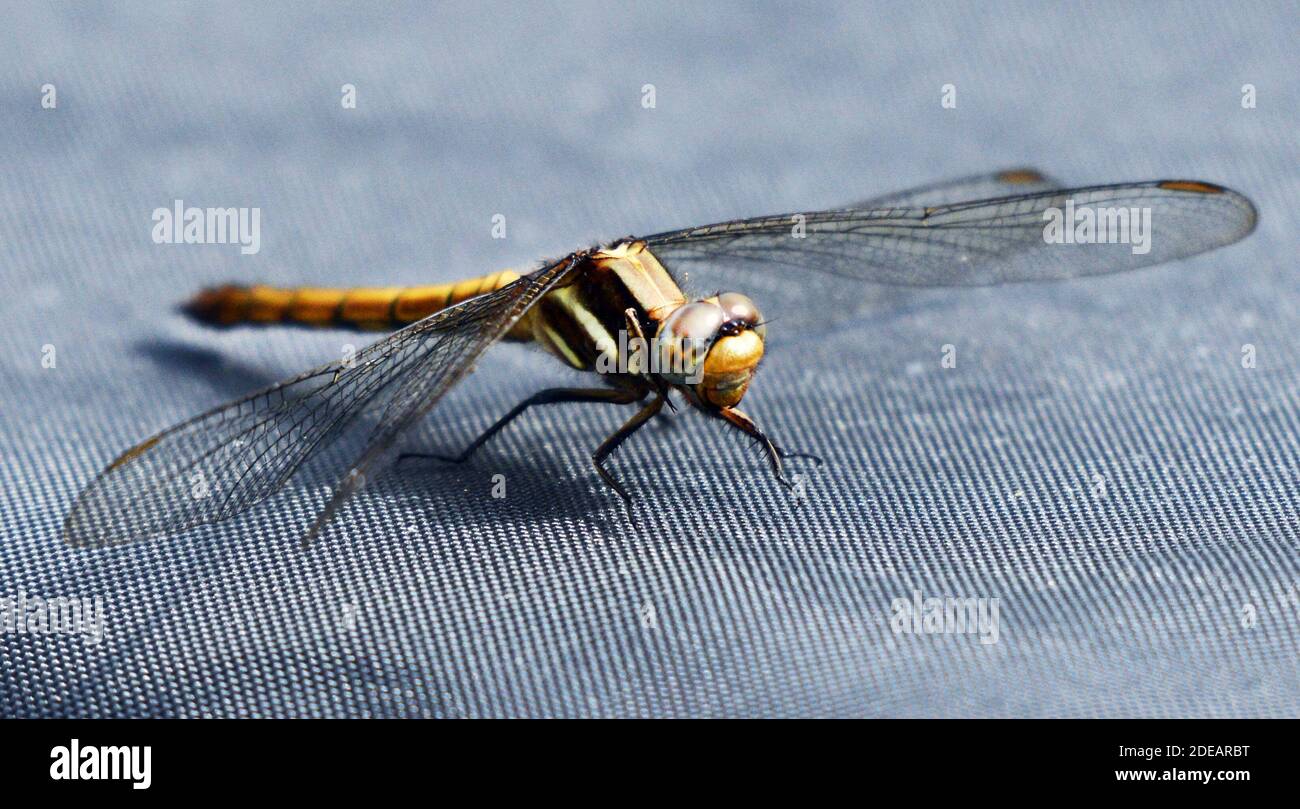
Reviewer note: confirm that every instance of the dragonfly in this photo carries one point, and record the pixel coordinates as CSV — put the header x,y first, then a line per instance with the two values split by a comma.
x,y
591,308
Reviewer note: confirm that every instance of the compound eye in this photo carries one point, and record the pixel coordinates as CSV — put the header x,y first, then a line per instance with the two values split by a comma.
x,y
686,334
693,321
739,312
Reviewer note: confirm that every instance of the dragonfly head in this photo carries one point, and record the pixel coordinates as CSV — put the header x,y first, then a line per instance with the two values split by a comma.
x,y
712,347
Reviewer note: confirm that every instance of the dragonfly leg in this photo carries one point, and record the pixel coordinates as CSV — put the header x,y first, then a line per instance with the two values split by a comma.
x,y
784,453
548,396
774,453
610,444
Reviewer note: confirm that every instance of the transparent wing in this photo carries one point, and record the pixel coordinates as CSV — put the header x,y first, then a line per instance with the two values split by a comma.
x,y
1010,182
974,243
223,462
419,390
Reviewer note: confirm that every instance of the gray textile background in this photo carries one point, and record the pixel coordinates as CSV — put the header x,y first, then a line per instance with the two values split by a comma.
x,y
1099,460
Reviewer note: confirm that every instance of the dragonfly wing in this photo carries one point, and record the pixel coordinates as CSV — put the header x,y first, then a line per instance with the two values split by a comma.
x,y
421,389
979,242
1010,182
223,462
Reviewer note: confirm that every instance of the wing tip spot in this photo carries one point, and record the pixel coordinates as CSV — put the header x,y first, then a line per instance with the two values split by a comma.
x,y
1194,186
133,452
1020,177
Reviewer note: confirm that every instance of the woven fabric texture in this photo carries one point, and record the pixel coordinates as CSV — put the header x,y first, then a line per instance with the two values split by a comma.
x,y
1114,460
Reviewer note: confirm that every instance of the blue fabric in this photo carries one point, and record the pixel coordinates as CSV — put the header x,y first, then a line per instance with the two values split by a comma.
x,y
1099,459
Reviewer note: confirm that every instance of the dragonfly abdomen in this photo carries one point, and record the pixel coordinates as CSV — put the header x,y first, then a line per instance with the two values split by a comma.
x,y
368,308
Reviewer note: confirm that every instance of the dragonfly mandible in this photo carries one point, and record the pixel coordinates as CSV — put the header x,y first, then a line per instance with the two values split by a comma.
x,y
588,307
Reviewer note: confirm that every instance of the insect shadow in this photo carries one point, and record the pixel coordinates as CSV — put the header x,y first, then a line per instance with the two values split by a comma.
x,y
496,486
225,375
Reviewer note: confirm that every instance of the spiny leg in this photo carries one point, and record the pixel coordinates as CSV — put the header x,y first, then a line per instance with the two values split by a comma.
x,y
610,444
807,456
774,453
548,396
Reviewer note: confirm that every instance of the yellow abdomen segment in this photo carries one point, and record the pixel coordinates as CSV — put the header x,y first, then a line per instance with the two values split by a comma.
x,y
358,308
